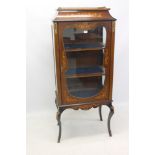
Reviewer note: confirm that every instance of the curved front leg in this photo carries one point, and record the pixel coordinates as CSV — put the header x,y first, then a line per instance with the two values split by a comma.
x,y
58,116
100,112
109,118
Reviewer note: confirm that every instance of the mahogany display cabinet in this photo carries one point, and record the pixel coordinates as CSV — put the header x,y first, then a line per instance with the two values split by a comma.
x,y
84,58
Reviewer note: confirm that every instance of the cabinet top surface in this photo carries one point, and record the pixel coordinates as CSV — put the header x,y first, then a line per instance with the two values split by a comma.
x,y
83,14
82,8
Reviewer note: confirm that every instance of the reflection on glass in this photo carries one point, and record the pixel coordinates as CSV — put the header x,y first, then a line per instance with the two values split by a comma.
x,y
84,50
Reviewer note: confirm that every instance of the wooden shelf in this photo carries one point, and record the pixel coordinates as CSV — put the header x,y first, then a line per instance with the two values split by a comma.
x,y
83,75
83,47
85,72
83,89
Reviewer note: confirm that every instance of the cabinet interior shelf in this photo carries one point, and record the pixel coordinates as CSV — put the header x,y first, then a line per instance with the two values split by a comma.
x,y
84,72
71,47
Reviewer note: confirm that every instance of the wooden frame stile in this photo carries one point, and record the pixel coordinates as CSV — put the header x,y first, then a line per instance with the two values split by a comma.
x,y
112,57
57,61
83,18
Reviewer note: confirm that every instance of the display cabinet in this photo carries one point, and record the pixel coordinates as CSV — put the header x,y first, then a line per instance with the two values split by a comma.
x,y
84,57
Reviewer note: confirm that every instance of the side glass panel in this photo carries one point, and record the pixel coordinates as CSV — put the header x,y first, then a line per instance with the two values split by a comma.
x,y
84,50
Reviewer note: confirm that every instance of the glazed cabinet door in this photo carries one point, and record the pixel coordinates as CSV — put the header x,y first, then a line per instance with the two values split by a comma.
x,y
84,49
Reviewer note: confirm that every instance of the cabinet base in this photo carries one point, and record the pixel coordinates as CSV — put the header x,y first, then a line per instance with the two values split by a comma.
x,y
62,108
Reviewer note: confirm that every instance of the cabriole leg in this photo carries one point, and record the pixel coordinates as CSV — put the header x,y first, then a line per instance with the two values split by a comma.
x,y
59,112
100,112
109,118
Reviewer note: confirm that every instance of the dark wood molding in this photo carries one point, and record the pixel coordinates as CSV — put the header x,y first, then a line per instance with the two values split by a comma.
x,y
83,14
82,9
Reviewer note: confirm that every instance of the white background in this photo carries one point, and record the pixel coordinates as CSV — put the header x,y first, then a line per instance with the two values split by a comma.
x,y
40,67
41,123
12,79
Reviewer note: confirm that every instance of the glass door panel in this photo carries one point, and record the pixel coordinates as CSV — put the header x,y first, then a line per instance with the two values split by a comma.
x,y
84,50
84,87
